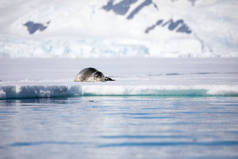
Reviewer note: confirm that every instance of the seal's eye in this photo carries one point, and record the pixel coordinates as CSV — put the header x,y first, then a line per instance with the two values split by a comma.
x,y
98,75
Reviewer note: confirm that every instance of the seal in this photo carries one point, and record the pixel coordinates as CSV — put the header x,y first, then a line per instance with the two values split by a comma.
x,y
91,75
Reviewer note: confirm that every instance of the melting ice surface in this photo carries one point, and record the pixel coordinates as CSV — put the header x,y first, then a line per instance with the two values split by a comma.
x,y
172,108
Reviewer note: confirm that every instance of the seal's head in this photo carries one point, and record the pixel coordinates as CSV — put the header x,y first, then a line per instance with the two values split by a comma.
x,y
98,76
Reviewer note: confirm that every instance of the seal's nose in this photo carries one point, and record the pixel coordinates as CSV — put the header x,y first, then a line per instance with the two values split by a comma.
x,y
109,79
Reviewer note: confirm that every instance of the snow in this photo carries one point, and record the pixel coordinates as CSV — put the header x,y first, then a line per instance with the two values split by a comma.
x,y
48,78
76,29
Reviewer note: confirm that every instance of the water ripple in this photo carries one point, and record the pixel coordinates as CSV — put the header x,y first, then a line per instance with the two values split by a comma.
x,y
158,144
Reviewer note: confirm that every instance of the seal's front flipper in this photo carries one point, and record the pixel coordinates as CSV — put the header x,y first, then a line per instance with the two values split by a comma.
x,y
108,79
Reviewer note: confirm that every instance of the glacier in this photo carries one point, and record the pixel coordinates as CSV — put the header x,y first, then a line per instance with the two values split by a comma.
x,y
118,28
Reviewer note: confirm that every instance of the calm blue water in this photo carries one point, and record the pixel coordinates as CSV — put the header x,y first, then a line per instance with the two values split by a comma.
x,y
119,127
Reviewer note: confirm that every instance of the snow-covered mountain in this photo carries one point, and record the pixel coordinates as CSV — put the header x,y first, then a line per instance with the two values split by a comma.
x,y
118,28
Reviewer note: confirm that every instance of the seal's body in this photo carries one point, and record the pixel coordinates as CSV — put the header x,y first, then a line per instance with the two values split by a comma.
x,y
91,75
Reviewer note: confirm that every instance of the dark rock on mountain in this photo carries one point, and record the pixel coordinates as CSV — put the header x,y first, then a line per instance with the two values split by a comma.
x,y
32,27
172,25
138,8
120,8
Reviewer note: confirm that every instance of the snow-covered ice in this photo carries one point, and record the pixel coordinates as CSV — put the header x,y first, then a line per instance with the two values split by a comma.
x,y
36,78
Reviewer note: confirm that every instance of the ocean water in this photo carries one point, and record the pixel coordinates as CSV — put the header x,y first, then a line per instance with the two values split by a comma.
x,y
156,108
119,127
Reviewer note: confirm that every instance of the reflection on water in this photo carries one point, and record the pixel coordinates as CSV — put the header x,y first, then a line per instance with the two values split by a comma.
x,y
119,127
